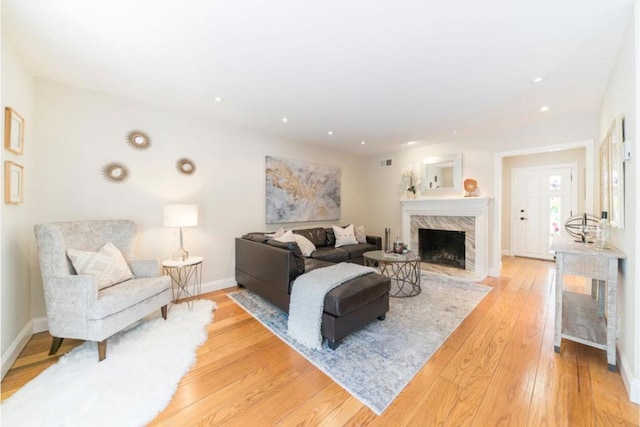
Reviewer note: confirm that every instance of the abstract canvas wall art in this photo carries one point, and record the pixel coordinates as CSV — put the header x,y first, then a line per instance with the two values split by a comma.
x,y
298,191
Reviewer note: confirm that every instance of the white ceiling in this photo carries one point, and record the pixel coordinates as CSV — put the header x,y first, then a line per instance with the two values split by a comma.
x,y
380,71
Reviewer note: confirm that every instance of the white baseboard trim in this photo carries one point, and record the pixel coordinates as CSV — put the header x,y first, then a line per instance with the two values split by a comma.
x,y
12,353
506,252
40,324
630,383
217,285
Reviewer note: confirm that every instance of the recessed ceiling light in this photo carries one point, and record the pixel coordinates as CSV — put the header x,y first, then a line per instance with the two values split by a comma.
x,y
330,133
217,99
409,142
453,132
538,79
285,120
544,108
362,142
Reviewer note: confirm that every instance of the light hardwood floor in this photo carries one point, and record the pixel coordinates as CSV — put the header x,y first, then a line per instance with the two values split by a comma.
x,y
497,368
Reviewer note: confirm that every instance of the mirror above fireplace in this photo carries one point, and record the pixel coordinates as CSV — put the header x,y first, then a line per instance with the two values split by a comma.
x,y
441,175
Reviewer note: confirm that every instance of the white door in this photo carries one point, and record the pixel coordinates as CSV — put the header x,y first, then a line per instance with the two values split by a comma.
x,y
542,199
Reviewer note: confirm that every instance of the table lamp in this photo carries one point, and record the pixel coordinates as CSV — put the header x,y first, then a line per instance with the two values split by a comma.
x,y
180,216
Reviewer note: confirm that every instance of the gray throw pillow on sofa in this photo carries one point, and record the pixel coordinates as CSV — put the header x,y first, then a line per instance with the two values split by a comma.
x,y
294,248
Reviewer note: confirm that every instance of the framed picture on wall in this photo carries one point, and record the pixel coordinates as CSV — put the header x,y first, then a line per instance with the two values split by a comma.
x,y
12,182
13,131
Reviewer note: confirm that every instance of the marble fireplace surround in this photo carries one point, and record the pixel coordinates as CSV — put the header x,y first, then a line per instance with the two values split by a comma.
x,y
468,214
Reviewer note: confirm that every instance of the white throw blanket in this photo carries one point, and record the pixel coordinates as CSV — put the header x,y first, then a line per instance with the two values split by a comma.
x,y
307,299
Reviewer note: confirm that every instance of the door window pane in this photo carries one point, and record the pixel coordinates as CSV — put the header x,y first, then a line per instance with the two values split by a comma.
x,y
555,217
555,182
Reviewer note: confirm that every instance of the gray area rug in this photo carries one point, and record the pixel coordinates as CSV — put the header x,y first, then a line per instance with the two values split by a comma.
x,y
376,363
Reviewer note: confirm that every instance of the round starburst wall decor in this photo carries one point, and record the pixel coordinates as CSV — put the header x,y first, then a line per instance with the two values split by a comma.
x,y
139,140
186,166
115,172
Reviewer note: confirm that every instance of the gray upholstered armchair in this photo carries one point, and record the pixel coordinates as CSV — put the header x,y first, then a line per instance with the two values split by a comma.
x,y
76,306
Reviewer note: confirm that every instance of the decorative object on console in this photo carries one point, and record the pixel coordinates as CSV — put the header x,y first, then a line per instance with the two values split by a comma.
x,y
470,185
409,174
603,234
12,182
186,166
139,140
180,216
13,131
299,191
582,227
115,172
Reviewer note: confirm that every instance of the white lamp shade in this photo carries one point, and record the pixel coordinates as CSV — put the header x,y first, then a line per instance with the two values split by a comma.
x,y
180,215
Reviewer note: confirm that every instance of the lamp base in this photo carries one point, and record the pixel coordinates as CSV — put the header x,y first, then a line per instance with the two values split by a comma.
x,y
181,255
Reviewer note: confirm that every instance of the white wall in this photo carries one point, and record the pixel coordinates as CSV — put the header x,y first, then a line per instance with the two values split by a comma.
x,y
72,133
620,100
79,131
17,228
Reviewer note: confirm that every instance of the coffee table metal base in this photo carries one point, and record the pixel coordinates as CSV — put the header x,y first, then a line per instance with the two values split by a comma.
x,y
404,274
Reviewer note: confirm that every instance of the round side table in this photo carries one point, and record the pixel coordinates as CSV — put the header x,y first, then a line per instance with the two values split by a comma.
x,y
186,278
403,270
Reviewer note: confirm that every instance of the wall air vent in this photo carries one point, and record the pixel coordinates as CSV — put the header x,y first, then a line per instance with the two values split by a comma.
x,y
387,162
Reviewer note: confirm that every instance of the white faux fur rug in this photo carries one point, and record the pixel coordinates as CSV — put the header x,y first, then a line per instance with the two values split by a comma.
x,y
129,388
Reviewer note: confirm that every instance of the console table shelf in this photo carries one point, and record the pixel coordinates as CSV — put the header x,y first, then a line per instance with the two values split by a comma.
x,y
582,317
580,320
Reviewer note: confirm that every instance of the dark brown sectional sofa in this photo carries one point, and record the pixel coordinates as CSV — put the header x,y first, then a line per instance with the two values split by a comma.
x,y
269,268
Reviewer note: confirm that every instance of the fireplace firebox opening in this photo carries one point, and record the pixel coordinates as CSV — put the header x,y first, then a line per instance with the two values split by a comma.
x,y
443,247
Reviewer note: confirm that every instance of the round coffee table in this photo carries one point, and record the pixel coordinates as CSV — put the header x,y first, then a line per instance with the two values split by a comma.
x,y
403,270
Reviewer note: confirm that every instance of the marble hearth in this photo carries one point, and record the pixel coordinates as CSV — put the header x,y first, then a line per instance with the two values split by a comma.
x,y
468,214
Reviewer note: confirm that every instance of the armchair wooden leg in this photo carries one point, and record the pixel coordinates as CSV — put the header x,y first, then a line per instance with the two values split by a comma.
x,y
163,310
102,350
55,345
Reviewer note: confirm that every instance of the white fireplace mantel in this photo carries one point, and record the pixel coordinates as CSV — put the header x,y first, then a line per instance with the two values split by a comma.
x,y
477,207
452,200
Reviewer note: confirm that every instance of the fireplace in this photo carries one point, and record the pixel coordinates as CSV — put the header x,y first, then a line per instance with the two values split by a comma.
x,y
458,214
442,247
